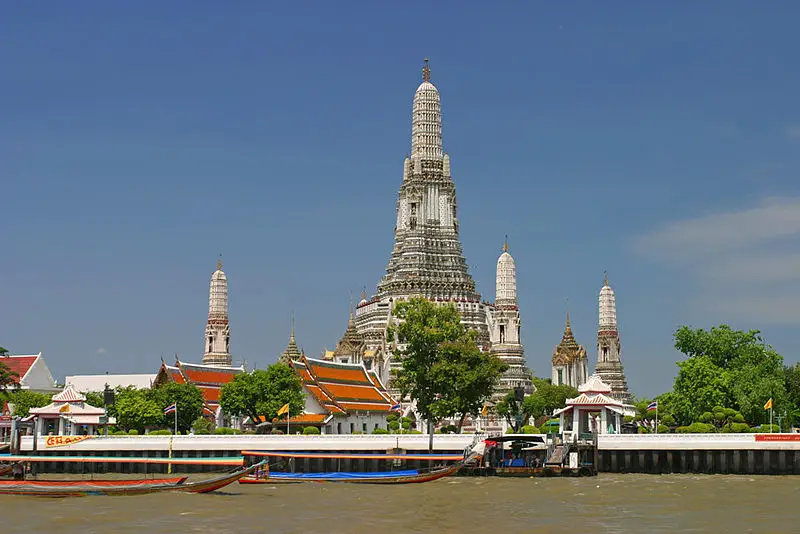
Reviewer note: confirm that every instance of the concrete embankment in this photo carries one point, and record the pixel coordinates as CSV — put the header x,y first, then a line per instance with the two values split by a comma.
x,y
187,447
753,454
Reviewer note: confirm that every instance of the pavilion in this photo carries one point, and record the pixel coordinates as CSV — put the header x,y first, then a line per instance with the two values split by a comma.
x,y
68,415
591,412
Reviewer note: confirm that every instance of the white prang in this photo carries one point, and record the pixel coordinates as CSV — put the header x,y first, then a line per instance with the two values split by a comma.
x,y
506,282
609,349
218,333
608,308
426,124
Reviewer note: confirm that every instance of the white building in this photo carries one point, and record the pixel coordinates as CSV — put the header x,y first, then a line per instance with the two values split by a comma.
x,y
97,383
32,372
218,330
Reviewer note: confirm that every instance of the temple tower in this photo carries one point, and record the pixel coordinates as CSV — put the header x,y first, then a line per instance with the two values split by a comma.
x,y
569,360
609,361
218,332
505,327
427,258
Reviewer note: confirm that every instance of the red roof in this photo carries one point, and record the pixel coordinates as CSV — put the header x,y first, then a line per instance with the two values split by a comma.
x,y
19,365
340,387
207,378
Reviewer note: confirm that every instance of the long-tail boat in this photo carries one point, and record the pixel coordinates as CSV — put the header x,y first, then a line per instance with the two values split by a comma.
x,y
5,469
77,488
409,476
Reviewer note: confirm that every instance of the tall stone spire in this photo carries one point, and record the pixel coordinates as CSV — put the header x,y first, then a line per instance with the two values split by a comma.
x,y
427,258
505,326
609,359
218,333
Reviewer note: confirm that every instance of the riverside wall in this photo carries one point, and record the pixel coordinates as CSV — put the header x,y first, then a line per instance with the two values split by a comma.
x,y
768,454
751,454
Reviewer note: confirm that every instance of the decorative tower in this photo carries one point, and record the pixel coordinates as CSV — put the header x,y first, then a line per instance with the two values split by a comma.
x,y
504,327
569,360
609,362
291,352
218,332
427,258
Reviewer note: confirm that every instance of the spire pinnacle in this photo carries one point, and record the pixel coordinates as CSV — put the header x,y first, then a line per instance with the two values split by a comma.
x,y
364,293
426,72
291,336
505,244
219,263
605,278
568,325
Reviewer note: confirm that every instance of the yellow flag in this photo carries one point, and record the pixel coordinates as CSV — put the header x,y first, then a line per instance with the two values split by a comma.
x,y
485,411
284,409
768,405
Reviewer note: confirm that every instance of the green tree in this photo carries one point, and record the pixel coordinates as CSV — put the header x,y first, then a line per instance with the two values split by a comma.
x,y
547,398
508,408
94,398
464,377
202,426
23,400
188,399
424,327
261,393
136,409
8,379
727,367
792,378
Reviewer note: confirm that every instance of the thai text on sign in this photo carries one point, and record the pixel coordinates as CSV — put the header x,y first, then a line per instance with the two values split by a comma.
x,y
61,441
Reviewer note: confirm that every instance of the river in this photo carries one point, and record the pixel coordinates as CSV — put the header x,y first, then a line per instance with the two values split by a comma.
x,y
607,503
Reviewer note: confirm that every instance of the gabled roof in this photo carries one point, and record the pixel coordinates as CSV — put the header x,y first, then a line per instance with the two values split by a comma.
x,y
70,394
594,384
20,364
343,387
208,378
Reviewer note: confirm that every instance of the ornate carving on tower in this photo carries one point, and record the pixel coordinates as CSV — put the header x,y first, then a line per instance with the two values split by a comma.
x,y
505,327
569,360
609,359
427,258
218,333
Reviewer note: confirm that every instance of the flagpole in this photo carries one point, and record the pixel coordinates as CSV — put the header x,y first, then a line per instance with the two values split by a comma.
x,y
770,417
176,418
656,417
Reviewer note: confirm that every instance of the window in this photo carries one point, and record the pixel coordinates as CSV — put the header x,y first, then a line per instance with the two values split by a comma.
x,y
502,333
364,427
605,354
560,377
352,428
338,428
345,360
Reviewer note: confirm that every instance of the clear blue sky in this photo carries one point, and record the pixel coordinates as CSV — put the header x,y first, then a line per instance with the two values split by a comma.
x,y
659,142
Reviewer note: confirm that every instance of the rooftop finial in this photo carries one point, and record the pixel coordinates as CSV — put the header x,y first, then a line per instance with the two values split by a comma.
x,y
219,263
605,278
505,244
364,293
426,72
568,325
291,336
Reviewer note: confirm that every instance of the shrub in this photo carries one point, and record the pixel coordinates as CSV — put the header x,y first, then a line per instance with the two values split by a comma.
x,y
226,430
311,431
663,429
394,426
405,420
357,432
391,417
764,429
160,432
380,430
276,431
529,429
627,419
133,432
201,425
414,432
449,429
696,428
643,430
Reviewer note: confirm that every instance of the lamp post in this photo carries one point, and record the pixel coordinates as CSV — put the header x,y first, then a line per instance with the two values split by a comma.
x,y
108,400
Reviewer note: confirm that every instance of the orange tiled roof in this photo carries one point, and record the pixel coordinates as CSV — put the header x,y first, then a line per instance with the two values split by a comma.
x,y
208,379
313,418
340,387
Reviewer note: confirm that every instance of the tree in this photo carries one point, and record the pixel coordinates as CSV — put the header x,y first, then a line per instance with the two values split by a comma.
x,y
726,367
202,425
422,330
547,398
23,400
189,401
792,378
442,368
136,409
464,377
8,378
508,408
261,393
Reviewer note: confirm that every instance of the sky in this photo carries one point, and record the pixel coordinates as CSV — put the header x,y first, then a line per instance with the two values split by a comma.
x,y
139,141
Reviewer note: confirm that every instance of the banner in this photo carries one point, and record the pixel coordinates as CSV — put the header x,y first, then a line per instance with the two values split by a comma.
x,y
62,441
777,437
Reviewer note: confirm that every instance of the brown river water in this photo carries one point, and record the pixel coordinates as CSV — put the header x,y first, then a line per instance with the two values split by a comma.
x,y
607,503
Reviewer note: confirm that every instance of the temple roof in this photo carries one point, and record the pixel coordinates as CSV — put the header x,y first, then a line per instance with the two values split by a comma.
x,y
208,378
351,342
19,364
594,384
568,350
343,387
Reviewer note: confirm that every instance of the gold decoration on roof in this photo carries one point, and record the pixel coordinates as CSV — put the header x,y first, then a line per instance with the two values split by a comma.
x,y
426,72
505,244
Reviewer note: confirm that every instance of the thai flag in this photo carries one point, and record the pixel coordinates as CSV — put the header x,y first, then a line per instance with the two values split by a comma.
x,y
395,408
652,406
172,408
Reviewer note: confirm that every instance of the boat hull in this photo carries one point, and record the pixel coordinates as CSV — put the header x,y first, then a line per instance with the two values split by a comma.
x,y
367,478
